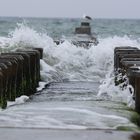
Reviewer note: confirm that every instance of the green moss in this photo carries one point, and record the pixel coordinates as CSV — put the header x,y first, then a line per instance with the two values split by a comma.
x,y
126,128
135,118
24,84
3,102
13,95
19,91
29,85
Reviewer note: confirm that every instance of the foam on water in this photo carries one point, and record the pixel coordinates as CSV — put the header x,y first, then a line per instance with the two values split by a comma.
x,y
20,100
69,62
68,117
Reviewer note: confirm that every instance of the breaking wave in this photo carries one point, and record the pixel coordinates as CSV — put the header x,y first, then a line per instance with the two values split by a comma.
x,y
69,62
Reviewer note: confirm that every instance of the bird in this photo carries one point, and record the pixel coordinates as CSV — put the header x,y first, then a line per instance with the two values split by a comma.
x,y
87,17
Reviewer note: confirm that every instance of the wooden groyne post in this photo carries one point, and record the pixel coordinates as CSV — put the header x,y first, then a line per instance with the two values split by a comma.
x,y
19,74
134,74
127,62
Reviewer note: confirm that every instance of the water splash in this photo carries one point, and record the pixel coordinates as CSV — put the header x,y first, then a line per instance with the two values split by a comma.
x,y
69,62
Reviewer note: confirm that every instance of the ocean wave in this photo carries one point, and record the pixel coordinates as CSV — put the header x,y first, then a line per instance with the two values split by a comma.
x,y
67,61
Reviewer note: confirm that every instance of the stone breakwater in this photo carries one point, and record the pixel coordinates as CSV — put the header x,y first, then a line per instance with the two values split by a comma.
x,y
19,74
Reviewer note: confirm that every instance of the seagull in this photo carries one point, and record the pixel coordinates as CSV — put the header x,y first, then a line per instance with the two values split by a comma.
x,y
87,17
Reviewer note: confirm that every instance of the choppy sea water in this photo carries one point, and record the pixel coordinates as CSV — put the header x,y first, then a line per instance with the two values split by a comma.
x,y
82,94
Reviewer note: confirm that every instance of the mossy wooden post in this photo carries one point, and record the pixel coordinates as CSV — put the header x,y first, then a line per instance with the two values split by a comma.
x,y
4,80
19,81
34,67
13,75
135,73
37,65
3,99
26,71
137,93
2,86
33,71
9,77
19,74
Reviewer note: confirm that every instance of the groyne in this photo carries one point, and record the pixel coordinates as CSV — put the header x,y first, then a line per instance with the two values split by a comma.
x,y
127,70
19,74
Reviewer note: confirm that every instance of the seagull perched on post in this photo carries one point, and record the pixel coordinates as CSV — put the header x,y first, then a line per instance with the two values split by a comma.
x,y
87,17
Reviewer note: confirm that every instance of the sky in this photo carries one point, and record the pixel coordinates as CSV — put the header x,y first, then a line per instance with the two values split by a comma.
x,y
71,8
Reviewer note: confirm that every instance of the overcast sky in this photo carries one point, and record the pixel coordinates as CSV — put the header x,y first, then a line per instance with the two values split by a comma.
x,y
71,8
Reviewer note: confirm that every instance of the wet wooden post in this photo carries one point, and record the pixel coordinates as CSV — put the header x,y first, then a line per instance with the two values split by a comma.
x,y
128,60
119,52
116,50
1,84
126,65
134,72
35,65
3,97
19,79
19,74
40,51
9,76
26,70
37,56
4,81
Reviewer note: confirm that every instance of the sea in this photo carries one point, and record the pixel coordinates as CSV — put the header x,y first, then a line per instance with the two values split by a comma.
x,y
77,89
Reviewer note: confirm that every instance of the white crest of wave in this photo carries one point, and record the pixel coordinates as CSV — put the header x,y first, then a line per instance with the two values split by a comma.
x,y
25,36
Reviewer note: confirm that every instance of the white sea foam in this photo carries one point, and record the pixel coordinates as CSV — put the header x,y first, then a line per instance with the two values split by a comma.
x,y
41,86
108,90
60,118
67,61
20,100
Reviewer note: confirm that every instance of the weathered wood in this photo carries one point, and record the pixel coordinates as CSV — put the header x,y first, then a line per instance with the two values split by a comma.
x,y
40,51
26,70
19,80
119,55
4,83
11,78
19,74
134,72
3,101
127,61
35,65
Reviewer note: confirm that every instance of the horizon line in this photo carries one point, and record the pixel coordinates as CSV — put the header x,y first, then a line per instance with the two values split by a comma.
x,y
121,18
